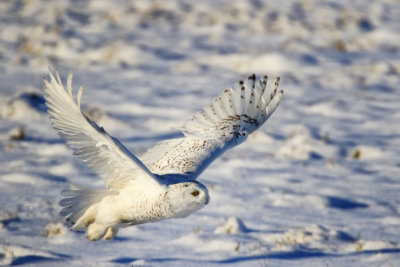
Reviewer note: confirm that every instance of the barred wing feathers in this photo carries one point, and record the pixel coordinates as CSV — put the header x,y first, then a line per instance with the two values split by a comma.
x,y
91,143
224,123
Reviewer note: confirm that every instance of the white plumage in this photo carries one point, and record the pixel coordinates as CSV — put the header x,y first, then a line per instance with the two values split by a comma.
x,y
162,184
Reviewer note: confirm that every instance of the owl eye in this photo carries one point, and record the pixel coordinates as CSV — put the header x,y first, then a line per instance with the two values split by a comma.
x,y
195,193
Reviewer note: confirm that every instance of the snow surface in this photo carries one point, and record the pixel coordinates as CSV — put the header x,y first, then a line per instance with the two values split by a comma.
x,y
318,185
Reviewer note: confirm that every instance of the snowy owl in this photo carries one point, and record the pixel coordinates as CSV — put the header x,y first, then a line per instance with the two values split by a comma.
x,y
162,184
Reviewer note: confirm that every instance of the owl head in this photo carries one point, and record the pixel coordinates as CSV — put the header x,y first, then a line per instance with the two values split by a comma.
x,y
186,198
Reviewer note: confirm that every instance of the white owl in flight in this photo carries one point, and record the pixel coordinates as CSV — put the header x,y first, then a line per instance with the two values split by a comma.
x,y
162,184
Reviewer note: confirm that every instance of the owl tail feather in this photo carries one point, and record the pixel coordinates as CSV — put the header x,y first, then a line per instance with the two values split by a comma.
x,y
80,207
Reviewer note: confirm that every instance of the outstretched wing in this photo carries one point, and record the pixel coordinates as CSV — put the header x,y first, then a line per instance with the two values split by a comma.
x,y
223,124
91,143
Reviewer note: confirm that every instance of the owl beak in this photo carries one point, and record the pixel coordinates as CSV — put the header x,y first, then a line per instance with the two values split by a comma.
x,y
207,200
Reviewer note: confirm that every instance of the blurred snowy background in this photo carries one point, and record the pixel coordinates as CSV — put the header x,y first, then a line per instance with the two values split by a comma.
x,y
318,185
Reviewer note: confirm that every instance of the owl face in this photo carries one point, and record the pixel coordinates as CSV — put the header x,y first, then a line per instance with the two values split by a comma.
x,y
186,198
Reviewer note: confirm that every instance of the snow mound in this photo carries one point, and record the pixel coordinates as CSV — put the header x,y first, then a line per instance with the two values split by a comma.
x,y
25,106
17,133
311,237
296,146
17,255
369,245
232,226
54,229
141,263
366,152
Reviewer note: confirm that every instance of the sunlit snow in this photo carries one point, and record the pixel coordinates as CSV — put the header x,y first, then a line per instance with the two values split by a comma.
x,y
317,185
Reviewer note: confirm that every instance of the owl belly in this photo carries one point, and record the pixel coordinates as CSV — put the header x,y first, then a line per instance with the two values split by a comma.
x,y
132,208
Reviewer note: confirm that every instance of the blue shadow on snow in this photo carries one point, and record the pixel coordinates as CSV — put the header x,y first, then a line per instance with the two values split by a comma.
x,y
293,255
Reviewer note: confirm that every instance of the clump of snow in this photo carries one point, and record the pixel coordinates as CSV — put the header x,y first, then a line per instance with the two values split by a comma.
x,y
7,215
17,133
232,225
366,152
54,229
12,255
6,255
313,237
139,263
26,106
365,245
296,146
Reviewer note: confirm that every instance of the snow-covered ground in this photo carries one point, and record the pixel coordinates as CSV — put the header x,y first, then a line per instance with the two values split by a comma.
x,y
318,185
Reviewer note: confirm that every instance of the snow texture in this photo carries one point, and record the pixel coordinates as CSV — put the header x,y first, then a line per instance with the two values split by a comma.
x,y
318,185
